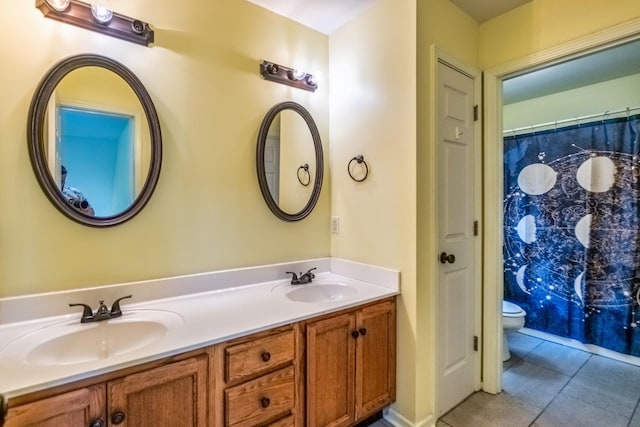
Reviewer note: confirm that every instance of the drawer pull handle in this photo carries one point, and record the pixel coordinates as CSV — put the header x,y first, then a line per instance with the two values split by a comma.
x,y
355,334
118,417
265,402
266,356
363,331
97,423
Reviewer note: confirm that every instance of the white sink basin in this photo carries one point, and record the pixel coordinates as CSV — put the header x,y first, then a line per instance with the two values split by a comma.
x,y
71,342
320,292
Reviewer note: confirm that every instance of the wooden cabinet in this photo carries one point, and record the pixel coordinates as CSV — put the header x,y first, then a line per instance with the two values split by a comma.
x,y
173,395
258,379
82,407
346,360
350,365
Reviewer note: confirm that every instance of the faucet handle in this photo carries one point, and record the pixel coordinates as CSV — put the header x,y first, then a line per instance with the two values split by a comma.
x,y
87,312
294,277
115,308
310,272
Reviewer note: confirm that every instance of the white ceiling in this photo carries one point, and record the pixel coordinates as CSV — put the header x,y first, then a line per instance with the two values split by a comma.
x,y
327,16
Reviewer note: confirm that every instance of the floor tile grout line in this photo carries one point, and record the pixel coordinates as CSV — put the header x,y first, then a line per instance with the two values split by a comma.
x,y
571,378
560,391
635,411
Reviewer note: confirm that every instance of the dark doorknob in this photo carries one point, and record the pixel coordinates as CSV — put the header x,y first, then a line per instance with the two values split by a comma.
x,y
450,258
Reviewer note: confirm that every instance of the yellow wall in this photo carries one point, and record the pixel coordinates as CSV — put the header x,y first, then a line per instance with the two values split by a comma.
x,y
542,24
373,114
377,112
454,33
530,34
207,212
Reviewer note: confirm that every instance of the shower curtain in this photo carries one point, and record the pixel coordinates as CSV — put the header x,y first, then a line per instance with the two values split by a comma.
x,y
572,231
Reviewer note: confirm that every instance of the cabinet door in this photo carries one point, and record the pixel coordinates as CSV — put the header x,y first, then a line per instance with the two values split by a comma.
x,y
375,358
173,395
83,407
331,371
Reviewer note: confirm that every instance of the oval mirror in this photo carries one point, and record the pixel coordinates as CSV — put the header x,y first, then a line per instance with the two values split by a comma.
x,y
289,161
94,140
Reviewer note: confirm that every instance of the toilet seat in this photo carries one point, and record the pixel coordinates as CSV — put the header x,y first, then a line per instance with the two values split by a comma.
x,y
513,318
510,309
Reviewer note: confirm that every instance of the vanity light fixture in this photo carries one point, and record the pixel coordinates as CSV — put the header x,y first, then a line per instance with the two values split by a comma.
x,y
97,17
101,11
59,5
288,76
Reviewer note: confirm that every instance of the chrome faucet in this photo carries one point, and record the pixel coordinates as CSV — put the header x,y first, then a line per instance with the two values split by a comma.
x,y
303,278
102,313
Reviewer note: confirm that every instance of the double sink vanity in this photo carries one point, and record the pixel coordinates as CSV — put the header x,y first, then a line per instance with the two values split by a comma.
x,y
213,349
245,347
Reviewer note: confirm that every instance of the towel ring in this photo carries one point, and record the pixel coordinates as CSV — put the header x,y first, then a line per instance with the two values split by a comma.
x,y
360,160
305,169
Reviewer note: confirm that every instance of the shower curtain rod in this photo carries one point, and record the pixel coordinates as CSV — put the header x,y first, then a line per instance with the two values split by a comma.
x,y
576,119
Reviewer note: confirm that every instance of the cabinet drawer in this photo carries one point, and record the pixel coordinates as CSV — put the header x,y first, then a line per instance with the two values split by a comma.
x,y
261,399
283,422
259,355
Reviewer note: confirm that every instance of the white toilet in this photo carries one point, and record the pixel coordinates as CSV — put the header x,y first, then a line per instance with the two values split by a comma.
x,y
512,319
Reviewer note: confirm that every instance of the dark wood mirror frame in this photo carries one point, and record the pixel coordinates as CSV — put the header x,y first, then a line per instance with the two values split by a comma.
x,y
37,145
262,177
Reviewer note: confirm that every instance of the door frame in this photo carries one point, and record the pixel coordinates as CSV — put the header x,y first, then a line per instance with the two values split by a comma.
x,y
438,55
493,179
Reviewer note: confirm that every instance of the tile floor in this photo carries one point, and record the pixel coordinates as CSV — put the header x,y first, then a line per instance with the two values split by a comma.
x,y
550,385
381,423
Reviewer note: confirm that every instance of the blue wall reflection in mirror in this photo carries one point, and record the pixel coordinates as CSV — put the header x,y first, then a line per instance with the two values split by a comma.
x,y
97,149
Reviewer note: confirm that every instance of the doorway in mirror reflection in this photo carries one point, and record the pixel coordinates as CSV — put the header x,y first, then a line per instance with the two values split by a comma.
x,y
98,149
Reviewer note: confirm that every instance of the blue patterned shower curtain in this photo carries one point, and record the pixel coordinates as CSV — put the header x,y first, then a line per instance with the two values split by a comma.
x,y
572,231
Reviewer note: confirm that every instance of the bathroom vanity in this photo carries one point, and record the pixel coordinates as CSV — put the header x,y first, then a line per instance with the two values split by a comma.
x,y
321,356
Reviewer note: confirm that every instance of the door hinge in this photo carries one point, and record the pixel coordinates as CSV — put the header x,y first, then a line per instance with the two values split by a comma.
x,y
475,343
475,113
475,227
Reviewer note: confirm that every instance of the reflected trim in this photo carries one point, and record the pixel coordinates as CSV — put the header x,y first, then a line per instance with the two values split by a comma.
x,y
262,176
37,144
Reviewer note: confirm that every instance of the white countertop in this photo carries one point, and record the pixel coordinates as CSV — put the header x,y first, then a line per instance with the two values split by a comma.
x,y
207,318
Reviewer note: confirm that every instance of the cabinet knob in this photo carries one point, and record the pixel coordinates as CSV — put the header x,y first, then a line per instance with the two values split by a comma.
x,y
266,356
265,402
118,417
355,334
363,331
97,423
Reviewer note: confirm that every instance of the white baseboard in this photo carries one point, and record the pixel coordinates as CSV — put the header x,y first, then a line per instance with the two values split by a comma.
x,y
393,417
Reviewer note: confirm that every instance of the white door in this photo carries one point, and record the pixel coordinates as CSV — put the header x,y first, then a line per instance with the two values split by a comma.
x,y
272,166
455,148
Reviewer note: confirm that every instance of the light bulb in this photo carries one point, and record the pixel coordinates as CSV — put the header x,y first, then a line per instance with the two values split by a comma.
x,y
101,11
298,74
59,5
